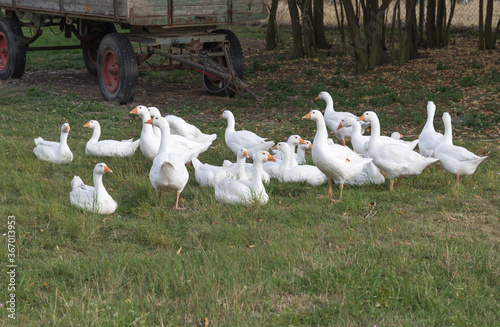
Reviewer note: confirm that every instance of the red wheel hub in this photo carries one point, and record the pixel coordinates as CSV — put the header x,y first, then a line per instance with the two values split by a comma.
x,y
110,71
4,52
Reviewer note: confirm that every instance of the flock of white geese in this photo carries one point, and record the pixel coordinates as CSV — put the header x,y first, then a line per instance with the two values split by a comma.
x,y
171,143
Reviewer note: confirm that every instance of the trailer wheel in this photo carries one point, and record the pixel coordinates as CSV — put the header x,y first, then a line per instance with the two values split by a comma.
x,y
117,68
215,86
12,49
90,54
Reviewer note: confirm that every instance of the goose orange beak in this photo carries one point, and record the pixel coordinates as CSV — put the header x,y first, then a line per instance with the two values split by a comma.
x,y
275,147
362,117
245,154
308,116
87,124
317,97
107,170
66,128
340,126
133,111
301,141
271,158
310,146
149,121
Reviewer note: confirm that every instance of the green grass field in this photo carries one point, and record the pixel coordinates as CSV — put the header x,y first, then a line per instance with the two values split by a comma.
x,y
424,255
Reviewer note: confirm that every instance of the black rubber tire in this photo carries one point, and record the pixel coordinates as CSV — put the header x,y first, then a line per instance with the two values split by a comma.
x,y
12,65
118,47
236,57
90,54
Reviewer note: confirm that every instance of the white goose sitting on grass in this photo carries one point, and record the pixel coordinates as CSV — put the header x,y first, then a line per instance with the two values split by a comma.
x,y
236,140
234,191
55,152
337,162
108,148
455,159
206,174
93,198
396,160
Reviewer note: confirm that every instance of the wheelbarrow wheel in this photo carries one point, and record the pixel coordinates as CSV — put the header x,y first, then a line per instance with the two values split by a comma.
x,y
90,54
117,68
216,86
12,49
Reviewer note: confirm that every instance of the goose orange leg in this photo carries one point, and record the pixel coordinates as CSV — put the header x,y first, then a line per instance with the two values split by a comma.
x,y
391,185
457,176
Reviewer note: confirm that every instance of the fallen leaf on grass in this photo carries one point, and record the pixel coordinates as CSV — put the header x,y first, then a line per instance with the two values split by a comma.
x,y
179,251
206,321
46,285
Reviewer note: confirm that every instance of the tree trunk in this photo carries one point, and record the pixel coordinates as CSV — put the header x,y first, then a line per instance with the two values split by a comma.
x,y
271,26
307,28
319,27
360,55
298,49
430,24
481,27
488,20
408,49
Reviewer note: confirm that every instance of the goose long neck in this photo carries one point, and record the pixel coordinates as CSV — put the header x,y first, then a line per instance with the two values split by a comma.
x,y
286,162
240,162
429,124
375,127
96,133
257,175
63,139
165,137
321,132
146,127
448,133
99,187
329,103
230,124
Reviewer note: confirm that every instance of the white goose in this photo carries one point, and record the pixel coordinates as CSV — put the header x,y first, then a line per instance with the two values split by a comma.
x,y
399,137
168,172
233,191
179,126
300,173
55,152
455,159
150,143
333,118
395,160
272,168
301,151
369,175
429,138
236,140
358,141
108,148
93,198
337,162
242,169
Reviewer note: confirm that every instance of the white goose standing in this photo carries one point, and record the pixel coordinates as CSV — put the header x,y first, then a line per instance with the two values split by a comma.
x,y
429,138
337,162
55,152
168,172
108,148
455,159
93,198
396,160
236,140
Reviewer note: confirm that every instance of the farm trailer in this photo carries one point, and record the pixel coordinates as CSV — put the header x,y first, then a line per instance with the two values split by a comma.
x,y
183,32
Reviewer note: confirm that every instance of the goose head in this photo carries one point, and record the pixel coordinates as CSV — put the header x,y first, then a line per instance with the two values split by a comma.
x,y
101,168
368,116
295,140
65,128
323,95
91,124
313,115
153,111
263,156
307,145
243,153
139,110
226,114
346,122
